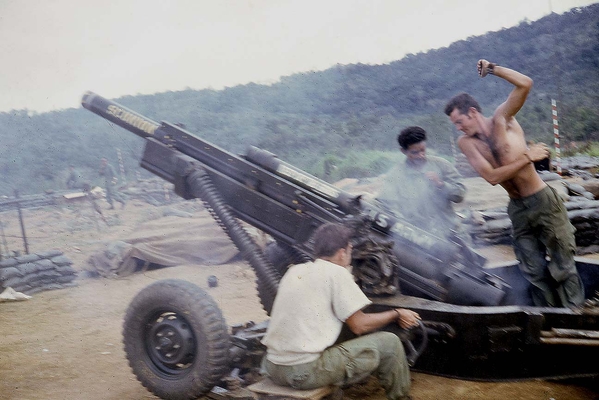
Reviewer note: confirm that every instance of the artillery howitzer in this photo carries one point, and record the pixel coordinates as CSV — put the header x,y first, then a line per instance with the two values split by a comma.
x,y
479,325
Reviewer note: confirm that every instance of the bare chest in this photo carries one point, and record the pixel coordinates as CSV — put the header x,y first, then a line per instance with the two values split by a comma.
x,y
504,145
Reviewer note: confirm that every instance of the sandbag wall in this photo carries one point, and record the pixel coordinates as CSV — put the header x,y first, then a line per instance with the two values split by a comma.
x,y
28,201
583,214
153,191
33,273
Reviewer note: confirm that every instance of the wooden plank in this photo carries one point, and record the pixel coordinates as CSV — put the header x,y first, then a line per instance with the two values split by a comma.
x,y
268,387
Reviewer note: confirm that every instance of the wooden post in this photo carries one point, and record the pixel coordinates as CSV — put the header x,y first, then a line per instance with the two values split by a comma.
x,y
22,223
3,241
121,166
558,159
167,196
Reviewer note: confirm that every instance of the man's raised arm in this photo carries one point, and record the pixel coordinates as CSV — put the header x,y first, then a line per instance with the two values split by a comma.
x,y
517,97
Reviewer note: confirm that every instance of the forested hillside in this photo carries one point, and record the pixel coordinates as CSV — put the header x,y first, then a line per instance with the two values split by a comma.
x,y
349,114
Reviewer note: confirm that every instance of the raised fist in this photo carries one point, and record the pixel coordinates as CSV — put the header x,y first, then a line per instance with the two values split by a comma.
x,y
483,67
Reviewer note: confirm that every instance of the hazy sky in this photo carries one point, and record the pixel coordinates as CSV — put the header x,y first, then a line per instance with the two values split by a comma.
x,y
52,51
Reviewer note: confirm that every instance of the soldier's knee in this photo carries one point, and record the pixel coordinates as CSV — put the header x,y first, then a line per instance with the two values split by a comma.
x,y
390,343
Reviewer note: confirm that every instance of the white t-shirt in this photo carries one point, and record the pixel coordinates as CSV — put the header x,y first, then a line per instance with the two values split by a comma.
x,y
313,301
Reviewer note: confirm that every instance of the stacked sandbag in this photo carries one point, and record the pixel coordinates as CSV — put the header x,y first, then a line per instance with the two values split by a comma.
x,y
33,273
583,211
152,191
578,165
577,190
494,226
490,227
591,186
27,201
584,215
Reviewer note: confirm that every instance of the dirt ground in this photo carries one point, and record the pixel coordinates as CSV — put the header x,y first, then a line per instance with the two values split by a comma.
x,y
66,344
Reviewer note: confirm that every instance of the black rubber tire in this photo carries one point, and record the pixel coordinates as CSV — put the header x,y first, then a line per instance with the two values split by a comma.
x,y
176,340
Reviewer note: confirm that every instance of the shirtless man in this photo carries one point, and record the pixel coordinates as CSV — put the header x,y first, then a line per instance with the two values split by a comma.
x,y
496,149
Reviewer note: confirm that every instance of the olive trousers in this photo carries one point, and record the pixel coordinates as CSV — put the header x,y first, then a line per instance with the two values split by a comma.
x,y
541,228
379,353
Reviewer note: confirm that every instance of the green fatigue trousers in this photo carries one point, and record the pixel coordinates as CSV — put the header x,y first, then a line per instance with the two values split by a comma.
x,y
541,228
113,194
349,362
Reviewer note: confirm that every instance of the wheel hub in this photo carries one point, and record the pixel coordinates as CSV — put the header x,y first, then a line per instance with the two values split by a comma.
x,y
171,341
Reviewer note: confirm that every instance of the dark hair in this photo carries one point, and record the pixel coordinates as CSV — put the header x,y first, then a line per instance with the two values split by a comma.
x,y
462,102
329,238
410,136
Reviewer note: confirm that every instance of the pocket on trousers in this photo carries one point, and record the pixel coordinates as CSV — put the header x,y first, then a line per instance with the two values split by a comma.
x,y
297,380
361,364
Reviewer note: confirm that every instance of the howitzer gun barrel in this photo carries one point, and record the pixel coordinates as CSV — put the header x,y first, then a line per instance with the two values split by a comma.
x,y
120,115
279,206
165,141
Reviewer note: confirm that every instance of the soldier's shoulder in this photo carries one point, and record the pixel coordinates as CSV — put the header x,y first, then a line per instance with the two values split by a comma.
x,y
438,160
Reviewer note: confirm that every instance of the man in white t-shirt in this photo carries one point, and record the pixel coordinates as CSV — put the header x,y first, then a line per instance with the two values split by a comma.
x,y
313,301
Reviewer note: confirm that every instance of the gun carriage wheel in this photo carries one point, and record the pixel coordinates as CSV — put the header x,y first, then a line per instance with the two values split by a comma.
x,y
176,340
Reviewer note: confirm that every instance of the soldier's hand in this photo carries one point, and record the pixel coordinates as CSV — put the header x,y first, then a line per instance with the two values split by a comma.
x,y
434,178
407,318
537,152
483,67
